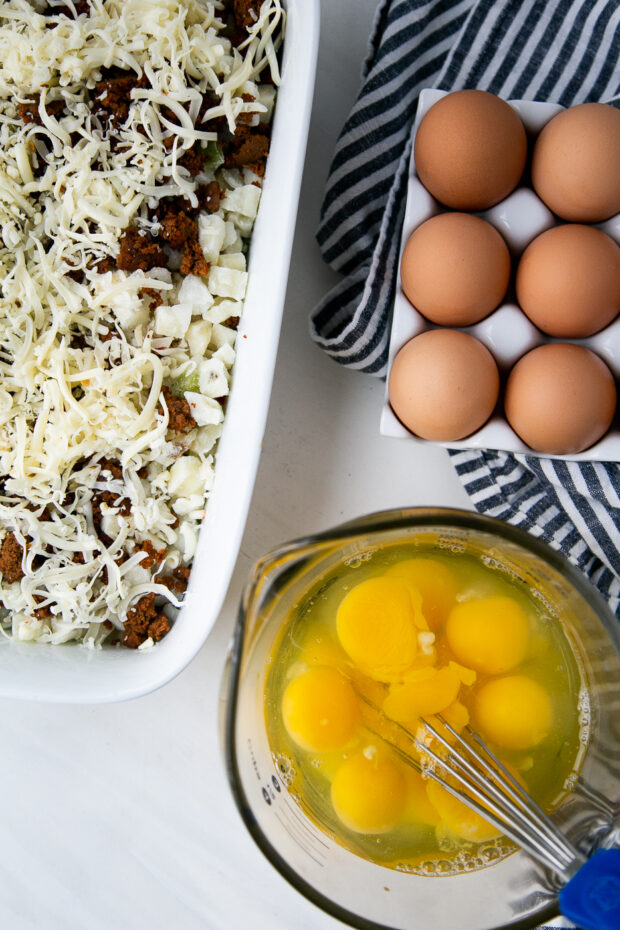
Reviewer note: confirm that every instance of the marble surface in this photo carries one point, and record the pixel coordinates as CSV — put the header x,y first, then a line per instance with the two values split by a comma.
x,y
119,817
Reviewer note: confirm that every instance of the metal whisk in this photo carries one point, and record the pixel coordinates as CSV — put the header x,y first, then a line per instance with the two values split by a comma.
x,y
591,893
499,798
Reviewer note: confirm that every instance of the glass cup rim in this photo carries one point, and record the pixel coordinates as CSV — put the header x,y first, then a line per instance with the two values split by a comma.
x,y
375,523
459,518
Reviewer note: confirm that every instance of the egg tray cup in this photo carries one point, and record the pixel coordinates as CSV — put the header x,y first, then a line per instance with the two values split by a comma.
x,y
507,332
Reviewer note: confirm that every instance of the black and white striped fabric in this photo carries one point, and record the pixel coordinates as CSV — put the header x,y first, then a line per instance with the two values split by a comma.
x,y
565,51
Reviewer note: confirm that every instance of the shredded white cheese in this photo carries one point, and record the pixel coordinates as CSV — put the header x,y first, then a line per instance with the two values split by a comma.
x,y
101,494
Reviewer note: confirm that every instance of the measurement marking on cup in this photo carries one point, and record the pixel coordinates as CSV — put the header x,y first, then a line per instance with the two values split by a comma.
x,y
292,810
253,760
300,842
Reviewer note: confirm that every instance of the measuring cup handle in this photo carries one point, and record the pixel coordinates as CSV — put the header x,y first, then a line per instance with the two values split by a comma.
x,y
592,897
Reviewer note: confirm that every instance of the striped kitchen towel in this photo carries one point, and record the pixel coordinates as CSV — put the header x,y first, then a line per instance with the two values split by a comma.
x,y
565,51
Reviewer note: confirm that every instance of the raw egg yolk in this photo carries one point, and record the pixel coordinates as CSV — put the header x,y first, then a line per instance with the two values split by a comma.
x,y
466,675
436,584
489,634
321,649
418,808
429,691
320,709
376,626
369,792
458,818
455,714
514,712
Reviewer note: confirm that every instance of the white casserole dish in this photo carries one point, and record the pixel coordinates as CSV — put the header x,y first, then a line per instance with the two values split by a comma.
x,y
74,674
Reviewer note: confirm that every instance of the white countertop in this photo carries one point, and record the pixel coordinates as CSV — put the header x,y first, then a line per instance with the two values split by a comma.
x,y
119,817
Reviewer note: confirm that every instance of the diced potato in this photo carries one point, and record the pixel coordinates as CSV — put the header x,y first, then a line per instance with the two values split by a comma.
x,y
223,310
234,260
28,630
211,235
130,317
185,476
160,274
129,309
173,321
231,236
194,291
206,437
244,224
222,335
213,378
198,336
227,282
243,200
227,354
205,410
236,245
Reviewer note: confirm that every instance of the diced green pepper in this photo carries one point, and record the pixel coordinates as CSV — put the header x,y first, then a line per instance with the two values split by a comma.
x,y
187,382
214,156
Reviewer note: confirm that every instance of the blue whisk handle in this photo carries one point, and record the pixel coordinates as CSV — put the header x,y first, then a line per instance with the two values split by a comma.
x,y
592,897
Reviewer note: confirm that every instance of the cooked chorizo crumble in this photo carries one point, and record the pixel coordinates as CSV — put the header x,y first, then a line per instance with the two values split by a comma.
x,y
133,142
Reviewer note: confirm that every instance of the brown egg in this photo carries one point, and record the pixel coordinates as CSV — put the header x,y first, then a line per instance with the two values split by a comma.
x,y
455,269
568,281
443,385
470,150
576,163
560,398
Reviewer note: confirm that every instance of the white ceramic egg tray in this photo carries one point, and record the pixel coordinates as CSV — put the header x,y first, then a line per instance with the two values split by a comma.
x,y
507,332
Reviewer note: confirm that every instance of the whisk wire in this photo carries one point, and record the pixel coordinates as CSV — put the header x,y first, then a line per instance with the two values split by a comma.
x,y
492,795
534,813
490,812
484,784
590,895
502,785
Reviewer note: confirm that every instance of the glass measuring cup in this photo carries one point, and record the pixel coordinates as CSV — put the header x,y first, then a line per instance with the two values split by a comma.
x,y
513,892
